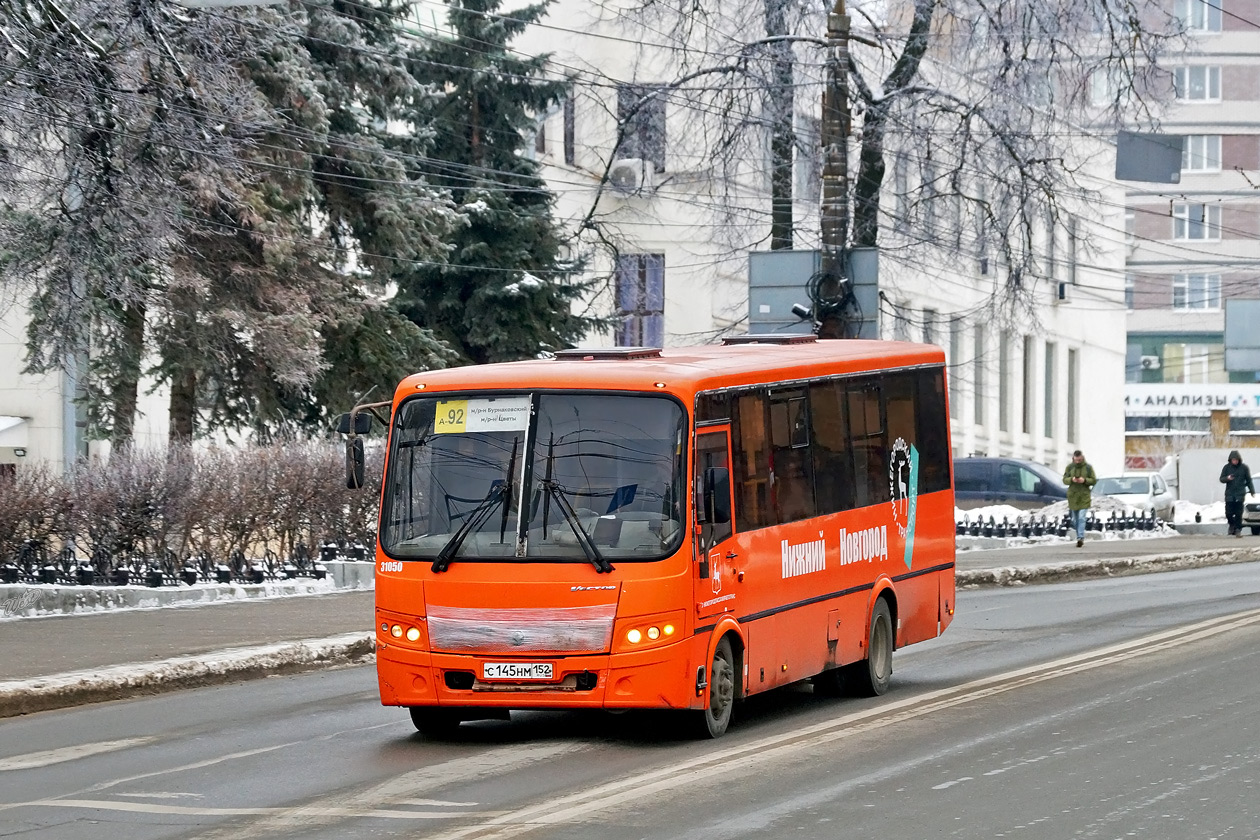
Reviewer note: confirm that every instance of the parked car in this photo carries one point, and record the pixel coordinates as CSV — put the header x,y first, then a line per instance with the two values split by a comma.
x,y
1027,485
1251,514
1144,491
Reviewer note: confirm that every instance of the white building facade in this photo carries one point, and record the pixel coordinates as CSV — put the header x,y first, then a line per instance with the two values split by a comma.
x,y
1035,381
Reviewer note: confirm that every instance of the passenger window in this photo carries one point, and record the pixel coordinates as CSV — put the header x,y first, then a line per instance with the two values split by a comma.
x,y
751,461
793,488
833,467
870,448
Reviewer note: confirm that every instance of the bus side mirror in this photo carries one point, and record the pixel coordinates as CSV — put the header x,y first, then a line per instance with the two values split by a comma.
x,y
354,463
717,496
362,423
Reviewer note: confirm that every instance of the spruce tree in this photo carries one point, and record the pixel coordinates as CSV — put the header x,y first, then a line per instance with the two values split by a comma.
x,y
507,287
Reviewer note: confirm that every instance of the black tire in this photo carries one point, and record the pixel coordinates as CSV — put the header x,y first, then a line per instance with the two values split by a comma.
x,y
434,722
1255,530
716,716
871,676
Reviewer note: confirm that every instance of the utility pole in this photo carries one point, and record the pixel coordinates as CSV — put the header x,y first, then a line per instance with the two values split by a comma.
x,y
835,129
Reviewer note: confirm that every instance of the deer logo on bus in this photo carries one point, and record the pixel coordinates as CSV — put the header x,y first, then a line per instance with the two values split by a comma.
x,y
903,486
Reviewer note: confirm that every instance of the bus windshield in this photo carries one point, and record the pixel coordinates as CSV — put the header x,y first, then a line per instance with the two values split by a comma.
x,y
546,477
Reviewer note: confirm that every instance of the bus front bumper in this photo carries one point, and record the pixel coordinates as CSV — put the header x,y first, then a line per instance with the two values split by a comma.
x,y
660,678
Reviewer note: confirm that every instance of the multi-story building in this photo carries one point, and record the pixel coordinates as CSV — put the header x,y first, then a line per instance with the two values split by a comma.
x,y
1032,381
1195,246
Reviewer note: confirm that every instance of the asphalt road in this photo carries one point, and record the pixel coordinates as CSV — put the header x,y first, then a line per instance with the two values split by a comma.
x,y
1108,708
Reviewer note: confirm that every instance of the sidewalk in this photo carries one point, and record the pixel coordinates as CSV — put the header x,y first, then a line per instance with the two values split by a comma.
x,y
63,660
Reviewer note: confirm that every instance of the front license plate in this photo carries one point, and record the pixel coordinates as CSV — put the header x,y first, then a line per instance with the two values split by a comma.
x,y
516,670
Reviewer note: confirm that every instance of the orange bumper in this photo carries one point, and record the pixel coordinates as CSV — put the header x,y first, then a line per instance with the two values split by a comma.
x,y
660,678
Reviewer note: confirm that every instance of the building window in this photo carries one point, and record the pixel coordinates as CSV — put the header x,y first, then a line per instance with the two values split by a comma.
x,y
929,326
1049,392
1004,382
1197,291
540,138
1128,292
808,157
1196,221
641,115
1072,372
979,382
1198,15
1197,84
1104,83
901,193
1135,362
1026,423
641,300
570,131
1201,153
901,321
955,360
1194,363
1073,246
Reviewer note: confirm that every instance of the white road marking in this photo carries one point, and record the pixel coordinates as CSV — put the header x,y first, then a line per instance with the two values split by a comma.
x,y
438,803
204,811
165,795
46,757
381,800
584,805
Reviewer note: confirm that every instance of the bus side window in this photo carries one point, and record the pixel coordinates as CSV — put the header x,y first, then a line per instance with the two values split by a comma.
x,y
751,461
793,469
833,466
933,436
870,448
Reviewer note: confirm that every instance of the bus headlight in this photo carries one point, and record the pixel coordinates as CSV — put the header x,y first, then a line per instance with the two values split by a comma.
x,y
646,631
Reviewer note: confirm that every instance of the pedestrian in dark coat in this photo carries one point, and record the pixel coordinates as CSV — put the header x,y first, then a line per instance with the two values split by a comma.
x,y
1236,476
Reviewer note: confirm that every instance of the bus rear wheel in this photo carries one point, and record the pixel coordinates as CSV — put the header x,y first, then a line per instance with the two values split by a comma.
x,y
435,722
871,676
716,717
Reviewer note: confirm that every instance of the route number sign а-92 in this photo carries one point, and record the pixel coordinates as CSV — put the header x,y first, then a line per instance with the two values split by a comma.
x,y
508,414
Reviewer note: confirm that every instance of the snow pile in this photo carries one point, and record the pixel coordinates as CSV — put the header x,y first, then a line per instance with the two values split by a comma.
x,y
27,600
76,687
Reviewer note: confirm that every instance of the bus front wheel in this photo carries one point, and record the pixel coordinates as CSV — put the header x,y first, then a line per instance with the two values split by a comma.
x,y
716,717
871,676
434,722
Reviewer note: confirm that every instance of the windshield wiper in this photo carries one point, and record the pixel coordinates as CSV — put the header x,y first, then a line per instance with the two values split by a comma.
x,y
588,546
498,494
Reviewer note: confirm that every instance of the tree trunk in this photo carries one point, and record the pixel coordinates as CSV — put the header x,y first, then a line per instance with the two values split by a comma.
x,y
127,385
183,410
782,133
870,178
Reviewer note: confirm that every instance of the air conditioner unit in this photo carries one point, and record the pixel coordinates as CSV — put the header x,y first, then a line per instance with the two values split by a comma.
x,y
1150,363
1062,291
631,176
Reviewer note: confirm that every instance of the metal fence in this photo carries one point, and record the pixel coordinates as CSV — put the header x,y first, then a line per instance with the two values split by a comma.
x,y
1041,526
34,562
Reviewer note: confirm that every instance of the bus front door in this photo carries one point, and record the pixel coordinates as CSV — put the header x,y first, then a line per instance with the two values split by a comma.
x,y
716,554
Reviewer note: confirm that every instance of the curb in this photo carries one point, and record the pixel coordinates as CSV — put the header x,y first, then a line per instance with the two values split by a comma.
x,y
58,691
1106,567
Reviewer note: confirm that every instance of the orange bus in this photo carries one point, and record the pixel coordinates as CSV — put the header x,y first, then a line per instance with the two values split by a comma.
x,y
636,528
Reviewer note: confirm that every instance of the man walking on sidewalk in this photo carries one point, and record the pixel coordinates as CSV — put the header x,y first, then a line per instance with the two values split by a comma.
x,y
1236,476
1079,478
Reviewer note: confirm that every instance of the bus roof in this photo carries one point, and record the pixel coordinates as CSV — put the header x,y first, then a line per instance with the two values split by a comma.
x,y
682,369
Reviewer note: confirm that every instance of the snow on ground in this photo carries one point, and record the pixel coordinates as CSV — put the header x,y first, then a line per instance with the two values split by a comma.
x,y
59,690
29,600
